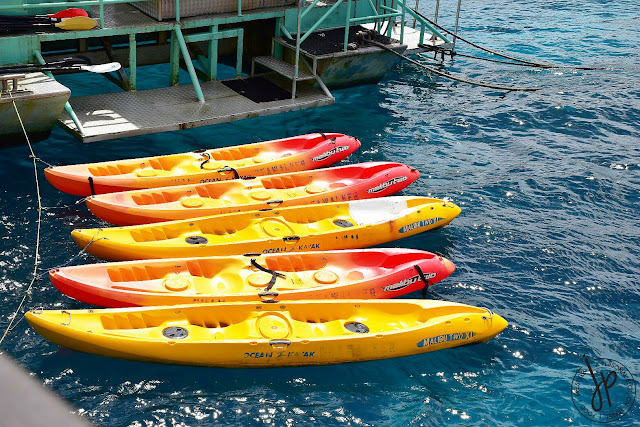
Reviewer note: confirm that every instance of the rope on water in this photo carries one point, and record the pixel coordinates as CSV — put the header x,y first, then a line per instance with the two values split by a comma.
x,y
448,76
493,52
77,202
35,275
37,251
70,260
40,160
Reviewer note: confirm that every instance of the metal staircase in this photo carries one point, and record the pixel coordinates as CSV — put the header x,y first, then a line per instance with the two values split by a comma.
x,y
377,13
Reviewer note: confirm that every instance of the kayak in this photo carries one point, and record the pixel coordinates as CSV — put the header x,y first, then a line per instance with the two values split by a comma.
x,y
330,226
338,184
293,154
250,335
358,274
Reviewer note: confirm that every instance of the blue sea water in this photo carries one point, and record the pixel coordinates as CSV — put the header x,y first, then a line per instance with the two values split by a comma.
x,y
548,236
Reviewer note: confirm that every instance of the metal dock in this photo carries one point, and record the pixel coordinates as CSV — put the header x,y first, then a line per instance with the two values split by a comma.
x,y
122,114
266,33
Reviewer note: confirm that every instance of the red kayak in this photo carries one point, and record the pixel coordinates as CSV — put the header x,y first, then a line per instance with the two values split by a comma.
x,y
343,183
293,154
353,274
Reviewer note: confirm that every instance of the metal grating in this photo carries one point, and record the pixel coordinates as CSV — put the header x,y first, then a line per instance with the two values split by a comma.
x,y
116,115
282,68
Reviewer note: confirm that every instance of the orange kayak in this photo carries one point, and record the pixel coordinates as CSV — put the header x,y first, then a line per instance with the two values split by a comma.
x,y
361,274
339,184
293,154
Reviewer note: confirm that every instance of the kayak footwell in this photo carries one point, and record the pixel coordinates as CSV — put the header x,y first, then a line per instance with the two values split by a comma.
x,y
116,115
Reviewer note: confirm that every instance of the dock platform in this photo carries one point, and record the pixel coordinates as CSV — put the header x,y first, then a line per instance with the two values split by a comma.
x,y
411,38
123,114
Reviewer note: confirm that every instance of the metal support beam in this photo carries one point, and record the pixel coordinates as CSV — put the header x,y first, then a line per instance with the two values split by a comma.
x,y
319,21
133,59
346,25
101,13
294,83
67,106
455,31
124,83
174,61
212,72
276,48
187,60
239,51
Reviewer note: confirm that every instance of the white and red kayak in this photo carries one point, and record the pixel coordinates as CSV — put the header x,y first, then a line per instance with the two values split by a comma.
x,y
338,184
285,155
361,274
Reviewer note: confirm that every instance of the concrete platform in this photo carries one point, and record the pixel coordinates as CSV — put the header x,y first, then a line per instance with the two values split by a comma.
x,y
123,114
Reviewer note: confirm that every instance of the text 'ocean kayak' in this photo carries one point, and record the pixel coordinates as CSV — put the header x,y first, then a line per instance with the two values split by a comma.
x,y
293,154
357,274
339,184
295,333
330,226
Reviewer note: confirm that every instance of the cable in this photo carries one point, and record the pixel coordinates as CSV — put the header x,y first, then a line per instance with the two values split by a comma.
x,y
513,58
40,209
440,73
35,266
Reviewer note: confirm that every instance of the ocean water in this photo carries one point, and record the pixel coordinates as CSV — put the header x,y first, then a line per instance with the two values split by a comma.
x,y
548,236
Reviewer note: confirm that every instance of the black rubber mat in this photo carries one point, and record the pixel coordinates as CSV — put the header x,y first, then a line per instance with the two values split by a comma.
x,y
258,89
332,41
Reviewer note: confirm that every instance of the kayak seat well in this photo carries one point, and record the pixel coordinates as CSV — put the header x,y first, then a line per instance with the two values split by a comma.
x,y
153,234
285,182
130,321
112,169
296,263
237,153
209,268
137,274
155,197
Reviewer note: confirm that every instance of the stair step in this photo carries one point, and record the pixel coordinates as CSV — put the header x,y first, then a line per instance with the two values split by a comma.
x,y
282,67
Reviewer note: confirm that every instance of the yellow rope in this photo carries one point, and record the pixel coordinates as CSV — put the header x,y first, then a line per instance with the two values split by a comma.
x,y
35,267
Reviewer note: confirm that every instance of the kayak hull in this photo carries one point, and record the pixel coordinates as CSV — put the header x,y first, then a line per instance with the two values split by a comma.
x,y
293,154
339,184
247,335
362,274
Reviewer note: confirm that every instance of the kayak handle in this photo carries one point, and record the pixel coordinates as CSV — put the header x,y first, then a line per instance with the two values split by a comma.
x,y
280,343
68,321
207,157
274,274
268,297
274,202
291,238
490,314
236,175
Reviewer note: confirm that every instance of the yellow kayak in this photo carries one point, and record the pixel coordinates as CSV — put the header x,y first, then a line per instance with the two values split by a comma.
x,y
296,333
332,226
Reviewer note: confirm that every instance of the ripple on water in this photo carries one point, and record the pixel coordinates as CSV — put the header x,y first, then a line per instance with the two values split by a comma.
x,y
548,236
